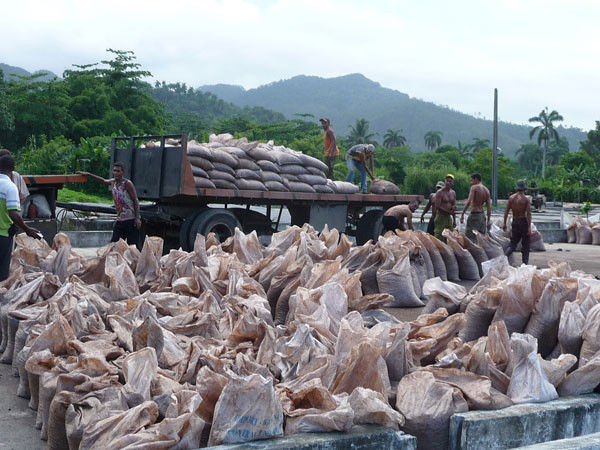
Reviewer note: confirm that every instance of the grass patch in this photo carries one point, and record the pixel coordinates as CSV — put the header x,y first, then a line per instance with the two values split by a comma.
x,y
68,195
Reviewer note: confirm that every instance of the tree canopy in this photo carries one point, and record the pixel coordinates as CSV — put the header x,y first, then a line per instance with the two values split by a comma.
x,y
545,131
433,139
359,133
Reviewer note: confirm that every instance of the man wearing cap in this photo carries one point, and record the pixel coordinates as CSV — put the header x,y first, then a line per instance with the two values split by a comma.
x,y
478,195
331,149
431,204
394,217
521,222
445,208
356,158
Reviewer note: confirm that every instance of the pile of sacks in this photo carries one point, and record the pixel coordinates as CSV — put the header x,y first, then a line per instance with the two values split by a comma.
x,y
135,349
228,163
536,242
583,231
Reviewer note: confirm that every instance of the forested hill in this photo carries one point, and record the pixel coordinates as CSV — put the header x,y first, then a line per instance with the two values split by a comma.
x,y
348,98
191,111
9,71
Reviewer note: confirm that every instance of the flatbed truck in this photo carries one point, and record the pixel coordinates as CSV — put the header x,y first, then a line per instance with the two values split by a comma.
x,y
178,210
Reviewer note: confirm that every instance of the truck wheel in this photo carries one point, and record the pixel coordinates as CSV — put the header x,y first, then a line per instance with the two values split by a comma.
x,y
184,231
369,226
219,221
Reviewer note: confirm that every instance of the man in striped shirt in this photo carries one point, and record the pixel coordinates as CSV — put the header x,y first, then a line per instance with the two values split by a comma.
x,y
10,207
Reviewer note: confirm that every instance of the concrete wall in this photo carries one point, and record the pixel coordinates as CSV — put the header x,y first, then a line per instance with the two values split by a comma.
x,y
589,442
525,424
84,239
358,438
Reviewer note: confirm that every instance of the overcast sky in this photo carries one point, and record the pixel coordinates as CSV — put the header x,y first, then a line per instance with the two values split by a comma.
x,y
537,53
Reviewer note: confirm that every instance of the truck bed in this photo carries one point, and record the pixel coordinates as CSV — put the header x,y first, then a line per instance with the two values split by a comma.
x,y
164,175
283,198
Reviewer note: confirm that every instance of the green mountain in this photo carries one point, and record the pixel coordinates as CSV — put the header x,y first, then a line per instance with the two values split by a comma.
x,y
348,98
11,71
191,111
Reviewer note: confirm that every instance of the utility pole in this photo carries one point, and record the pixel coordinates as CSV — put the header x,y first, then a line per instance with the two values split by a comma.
x,y
495,152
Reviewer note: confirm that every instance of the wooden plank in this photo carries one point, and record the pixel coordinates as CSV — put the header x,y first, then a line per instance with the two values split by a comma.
x,y
34,180
371,199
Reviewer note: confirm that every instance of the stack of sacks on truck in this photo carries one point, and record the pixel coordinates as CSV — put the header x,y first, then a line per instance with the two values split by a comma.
x,y
236,341
228,163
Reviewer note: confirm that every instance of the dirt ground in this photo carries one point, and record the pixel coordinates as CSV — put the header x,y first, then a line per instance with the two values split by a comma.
x,y
17,431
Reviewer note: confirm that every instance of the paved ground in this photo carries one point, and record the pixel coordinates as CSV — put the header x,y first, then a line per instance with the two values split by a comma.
x,y
17,431
17,421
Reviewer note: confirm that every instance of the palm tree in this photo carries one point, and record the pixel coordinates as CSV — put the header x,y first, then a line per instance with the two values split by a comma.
x,y
479,143
433,139
546,131
465,150
393,138
359,133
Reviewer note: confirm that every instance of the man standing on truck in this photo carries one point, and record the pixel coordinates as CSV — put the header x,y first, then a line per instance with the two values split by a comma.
x,y
431,204
478,195
445,208
394,217
10,216
17,180
521,222
331,149
128,221
356,158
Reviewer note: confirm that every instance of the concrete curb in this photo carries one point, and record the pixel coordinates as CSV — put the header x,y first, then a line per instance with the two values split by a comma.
x,y
358,438
589,442
525,424
84,239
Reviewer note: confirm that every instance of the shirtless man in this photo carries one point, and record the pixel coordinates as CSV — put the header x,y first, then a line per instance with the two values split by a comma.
x,y
521,222
445,208
394,217
478,195
431,204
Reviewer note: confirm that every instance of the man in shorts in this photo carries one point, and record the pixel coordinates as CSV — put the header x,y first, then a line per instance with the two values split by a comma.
x,y
445,208
394,217
431,204
478,195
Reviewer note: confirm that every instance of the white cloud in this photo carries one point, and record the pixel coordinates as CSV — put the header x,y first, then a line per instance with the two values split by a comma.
x,y
537,53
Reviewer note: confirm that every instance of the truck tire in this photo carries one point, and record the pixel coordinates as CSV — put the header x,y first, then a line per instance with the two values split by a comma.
x,y
184,231
218,220
369,226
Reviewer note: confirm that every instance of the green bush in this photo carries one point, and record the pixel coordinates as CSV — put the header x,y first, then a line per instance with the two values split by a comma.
x,y
60,156
576,194
41,157
421,181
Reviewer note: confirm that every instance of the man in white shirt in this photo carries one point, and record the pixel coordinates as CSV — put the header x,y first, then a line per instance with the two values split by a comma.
x,y
17,180
9,214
